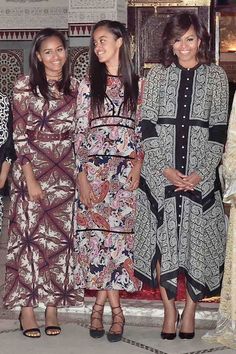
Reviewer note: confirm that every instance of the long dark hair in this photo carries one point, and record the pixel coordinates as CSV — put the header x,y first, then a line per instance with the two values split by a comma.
x,y
98,71
37,74
175,28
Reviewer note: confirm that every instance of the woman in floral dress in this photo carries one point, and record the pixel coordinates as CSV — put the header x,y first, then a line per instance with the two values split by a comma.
x,y
40,258
109,158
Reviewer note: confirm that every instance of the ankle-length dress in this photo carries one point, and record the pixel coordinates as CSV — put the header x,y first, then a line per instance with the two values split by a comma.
x,y
107,146
40,258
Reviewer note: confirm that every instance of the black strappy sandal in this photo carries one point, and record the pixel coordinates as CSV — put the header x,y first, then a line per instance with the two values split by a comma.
x,y
114,336
52,330
30,332
96,332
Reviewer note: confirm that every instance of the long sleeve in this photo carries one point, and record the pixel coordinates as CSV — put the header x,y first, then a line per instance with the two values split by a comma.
x,y
20,117
137,132
152,146
217,125
6,146
10,153
229,157
82,125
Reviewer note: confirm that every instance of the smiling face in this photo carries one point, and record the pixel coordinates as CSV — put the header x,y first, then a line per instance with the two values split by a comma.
x,y
186,48
53,56
106,47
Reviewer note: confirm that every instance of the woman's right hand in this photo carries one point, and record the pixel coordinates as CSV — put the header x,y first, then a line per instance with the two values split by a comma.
x,y
36,194
86,194
176,178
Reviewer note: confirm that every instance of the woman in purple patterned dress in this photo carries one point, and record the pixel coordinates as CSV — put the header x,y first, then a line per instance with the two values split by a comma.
x,y
109,159
40,257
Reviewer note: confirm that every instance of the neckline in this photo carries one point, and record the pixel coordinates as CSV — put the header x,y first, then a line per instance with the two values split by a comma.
x,y
110,75
187,69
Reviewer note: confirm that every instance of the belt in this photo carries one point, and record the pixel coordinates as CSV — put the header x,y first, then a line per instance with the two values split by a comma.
x,y
38,135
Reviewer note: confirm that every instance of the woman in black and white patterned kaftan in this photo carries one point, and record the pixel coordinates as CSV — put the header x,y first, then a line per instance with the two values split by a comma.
x,y
180,224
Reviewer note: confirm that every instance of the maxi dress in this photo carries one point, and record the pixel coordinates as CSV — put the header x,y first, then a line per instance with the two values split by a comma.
x,y
107,145
40,259
7,151
184,120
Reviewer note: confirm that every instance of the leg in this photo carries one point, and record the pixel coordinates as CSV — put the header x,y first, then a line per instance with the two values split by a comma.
x,y
118,320
188,318
52,327
170,312
28,323
96,323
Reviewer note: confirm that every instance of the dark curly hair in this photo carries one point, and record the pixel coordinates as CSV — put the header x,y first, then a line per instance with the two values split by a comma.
x,y
175,28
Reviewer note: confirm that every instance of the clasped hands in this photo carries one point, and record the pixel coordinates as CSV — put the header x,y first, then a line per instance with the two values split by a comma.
x,y
180,181
87,196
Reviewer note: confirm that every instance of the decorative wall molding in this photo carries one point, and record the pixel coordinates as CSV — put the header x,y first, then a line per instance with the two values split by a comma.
x,y
80,30
162,3
22,35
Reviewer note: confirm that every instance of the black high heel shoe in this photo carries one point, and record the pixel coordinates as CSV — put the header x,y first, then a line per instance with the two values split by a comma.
x,y
30,332
52,330
96,332
171,336
116,336
186,335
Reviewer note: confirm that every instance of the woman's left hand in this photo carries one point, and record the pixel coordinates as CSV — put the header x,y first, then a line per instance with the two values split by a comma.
x,y
194,179
134,176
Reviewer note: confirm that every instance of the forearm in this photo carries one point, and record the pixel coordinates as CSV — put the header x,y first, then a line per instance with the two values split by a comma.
x,y
4,171
28,173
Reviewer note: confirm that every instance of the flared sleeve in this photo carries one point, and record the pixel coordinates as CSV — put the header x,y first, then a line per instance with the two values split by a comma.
x,y
152,146
217,124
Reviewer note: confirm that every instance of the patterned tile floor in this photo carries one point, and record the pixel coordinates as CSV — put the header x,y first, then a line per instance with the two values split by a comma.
x,y
141,335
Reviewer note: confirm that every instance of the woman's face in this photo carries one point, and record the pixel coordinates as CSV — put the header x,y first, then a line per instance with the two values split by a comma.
x,y
186,48
53,55
106,47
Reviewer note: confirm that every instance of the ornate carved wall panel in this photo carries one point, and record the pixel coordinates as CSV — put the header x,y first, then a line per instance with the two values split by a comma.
x,y
32,14
146,25
11,66
91,11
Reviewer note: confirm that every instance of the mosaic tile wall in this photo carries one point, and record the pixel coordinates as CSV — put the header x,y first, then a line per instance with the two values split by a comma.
x,y
79,59
11,66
